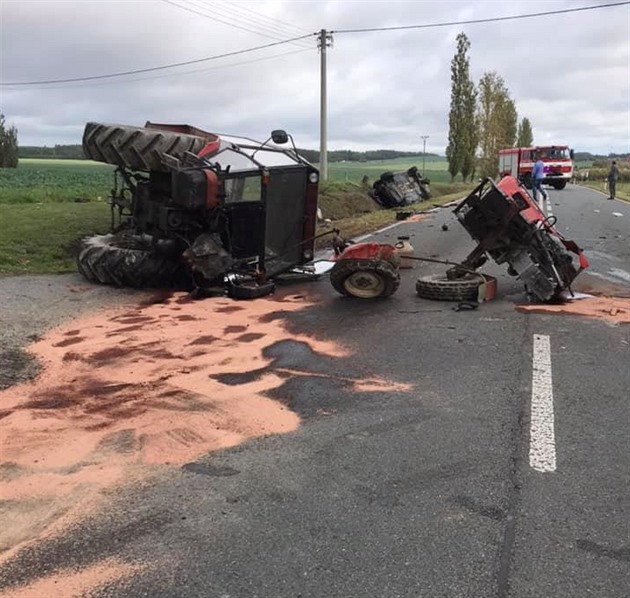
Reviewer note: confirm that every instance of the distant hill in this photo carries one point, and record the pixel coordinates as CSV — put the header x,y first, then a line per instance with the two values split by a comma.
x,y
588,157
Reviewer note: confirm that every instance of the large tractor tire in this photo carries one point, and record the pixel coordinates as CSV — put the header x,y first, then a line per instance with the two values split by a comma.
x,y
365,279
440,288
130,261
136,148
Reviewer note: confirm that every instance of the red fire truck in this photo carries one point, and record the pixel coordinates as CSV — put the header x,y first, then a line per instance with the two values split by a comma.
x,y
519,161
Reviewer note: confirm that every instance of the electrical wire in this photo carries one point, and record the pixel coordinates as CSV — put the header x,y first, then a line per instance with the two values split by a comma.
x,y
476,21
310,35
251,18
197,10
89,84
155,68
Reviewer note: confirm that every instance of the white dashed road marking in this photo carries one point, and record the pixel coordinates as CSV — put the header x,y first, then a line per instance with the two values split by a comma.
x,y
542,441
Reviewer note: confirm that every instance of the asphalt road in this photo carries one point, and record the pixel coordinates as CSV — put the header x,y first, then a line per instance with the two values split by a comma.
x,y
421,493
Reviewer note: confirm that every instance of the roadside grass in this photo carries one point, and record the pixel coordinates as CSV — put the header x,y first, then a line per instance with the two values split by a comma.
x,y
358,225
43,238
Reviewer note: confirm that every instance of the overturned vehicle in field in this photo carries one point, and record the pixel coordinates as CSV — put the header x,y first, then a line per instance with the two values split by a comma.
x,y
191,209
397,189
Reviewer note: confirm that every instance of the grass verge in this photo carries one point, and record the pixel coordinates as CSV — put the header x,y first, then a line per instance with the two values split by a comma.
x,y
43,238
361,224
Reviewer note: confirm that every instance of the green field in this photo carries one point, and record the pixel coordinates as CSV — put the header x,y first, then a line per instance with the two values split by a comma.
x,y
435,170
43,181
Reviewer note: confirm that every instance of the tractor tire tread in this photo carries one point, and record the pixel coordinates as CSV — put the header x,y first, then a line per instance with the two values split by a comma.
x,y
136,148
101,259
439,288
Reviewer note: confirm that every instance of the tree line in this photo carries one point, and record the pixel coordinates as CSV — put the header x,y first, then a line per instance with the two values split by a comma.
x,y
59,152
482,119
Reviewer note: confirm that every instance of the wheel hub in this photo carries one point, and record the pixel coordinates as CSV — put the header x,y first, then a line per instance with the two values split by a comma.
x,y
365,284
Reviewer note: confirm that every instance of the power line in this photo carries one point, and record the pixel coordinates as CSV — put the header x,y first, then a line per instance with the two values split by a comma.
x,y
155,68
286,41
488,20
177,74
241,12
197,10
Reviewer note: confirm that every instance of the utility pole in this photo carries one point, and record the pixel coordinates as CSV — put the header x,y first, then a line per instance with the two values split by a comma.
x,y
424,150
325,40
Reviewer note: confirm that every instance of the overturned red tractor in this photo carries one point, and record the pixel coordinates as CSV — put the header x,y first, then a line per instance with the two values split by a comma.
x,y
192,209
510,228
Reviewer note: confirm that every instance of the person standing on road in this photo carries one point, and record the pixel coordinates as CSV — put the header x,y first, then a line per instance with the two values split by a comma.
x,y
538,173
613,175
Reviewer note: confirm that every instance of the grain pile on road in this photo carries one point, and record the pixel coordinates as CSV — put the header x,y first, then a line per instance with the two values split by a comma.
x,y
125,392
608,301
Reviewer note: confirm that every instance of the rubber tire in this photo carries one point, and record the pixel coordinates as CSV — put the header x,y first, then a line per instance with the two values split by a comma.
x,y
122,261
527,181
559,185
386,271
250,290
387,177
136,148
440,288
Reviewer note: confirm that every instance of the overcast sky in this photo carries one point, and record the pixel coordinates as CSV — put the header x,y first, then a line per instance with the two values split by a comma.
x,y
569,74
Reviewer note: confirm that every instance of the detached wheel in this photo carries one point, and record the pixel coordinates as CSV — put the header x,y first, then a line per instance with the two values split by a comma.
x,y
365,279
130,261
440,288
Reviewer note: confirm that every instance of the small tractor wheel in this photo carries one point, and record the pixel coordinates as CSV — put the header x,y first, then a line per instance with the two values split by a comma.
x,y
365,279
136,148
126,260
440,288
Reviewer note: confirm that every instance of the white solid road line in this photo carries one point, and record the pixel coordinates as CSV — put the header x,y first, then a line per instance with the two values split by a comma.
x,y
542,441
549,208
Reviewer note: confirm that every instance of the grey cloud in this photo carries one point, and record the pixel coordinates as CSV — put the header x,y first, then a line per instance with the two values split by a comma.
x,y
385,89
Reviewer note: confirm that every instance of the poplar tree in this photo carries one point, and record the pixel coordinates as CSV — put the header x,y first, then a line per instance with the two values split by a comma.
x,y
525,137
462,134
498,122
8,145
